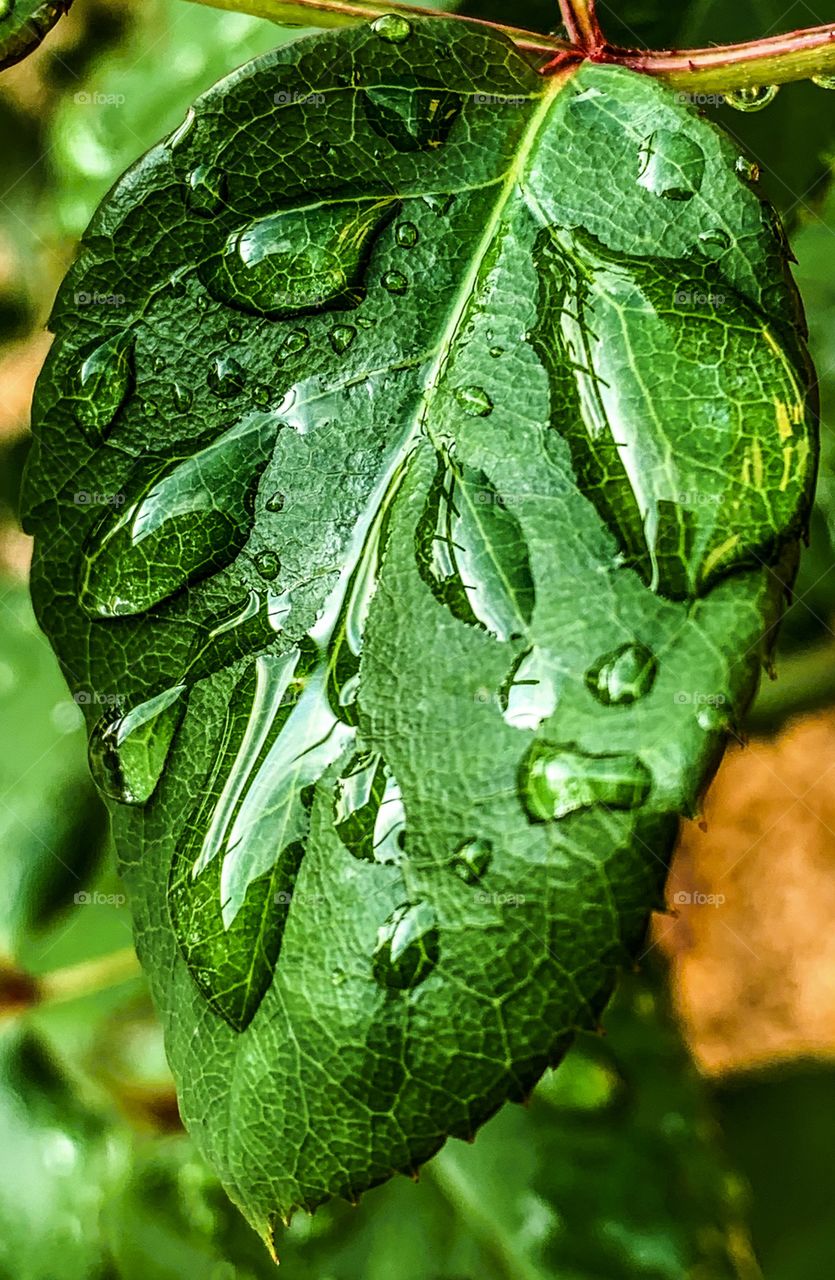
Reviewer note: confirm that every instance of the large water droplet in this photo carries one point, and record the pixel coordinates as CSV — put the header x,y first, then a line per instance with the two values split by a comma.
x,y
411,118
305,259
368,811
472,858
341,337
670,165
714,243
181,520
206,192
395,282
226,377
753,98
471,552
268,564
622,676
104,383
474,401
128,750
275,502
530,693
295,342
407,947
392,27
406,235
557,780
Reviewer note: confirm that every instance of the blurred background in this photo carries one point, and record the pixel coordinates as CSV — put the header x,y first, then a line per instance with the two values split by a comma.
x,y
695,1138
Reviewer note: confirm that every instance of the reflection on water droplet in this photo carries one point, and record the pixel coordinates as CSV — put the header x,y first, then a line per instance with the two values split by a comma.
x,y
183,132
341,337
395,282
670,165
406,235
234,333
275,502
295,342
472,858
127,751
714,243
530,693
824,82
622,676
182,397
753,98
557,780
392,27
474,401
495,352
306,259
747,169
368,810
226,377
206,191
411,118
104,384
714,718
407,947
180,520
268,564
262,395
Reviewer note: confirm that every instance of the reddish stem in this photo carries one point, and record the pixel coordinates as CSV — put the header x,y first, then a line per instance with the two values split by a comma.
x,y
766,55
582,25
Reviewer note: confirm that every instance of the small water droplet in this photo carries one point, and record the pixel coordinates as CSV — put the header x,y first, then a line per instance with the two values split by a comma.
x,y
496,352
181,519
226,377
406,235
407,947
275,502
295,342
338,976
472,858
234,333
714,243
268,564
104,384
392,27
202,302
395,282
127,751
747,169
556,780
261,395
158,364
670,165
183,132
341,337
714,718
474,401
206,191
182,397
824,82
752,98
622,676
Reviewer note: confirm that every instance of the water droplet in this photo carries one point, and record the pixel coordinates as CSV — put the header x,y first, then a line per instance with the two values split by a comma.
x,y
531,691
182,397
181,134
226,377
262,395
411,118
622,676
407,947
439,204
471,552
395,282
298,340
128,750
300,259
275,502
714,243
202,302
753,98
104,384
341,337
181,519
747,169
234,333
392,27
824,82
406,235
496,352
557,780
368,810
206,191
714,718
268,564
670,165
159,363
474,401
472,858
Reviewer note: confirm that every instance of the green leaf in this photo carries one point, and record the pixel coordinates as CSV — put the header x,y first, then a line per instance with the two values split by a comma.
x,y
462,437
23,25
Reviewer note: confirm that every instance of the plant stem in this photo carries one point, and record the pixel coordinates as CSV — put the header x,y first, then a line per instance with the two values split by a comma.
x,y
775,60
343,13
581,24
89,976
